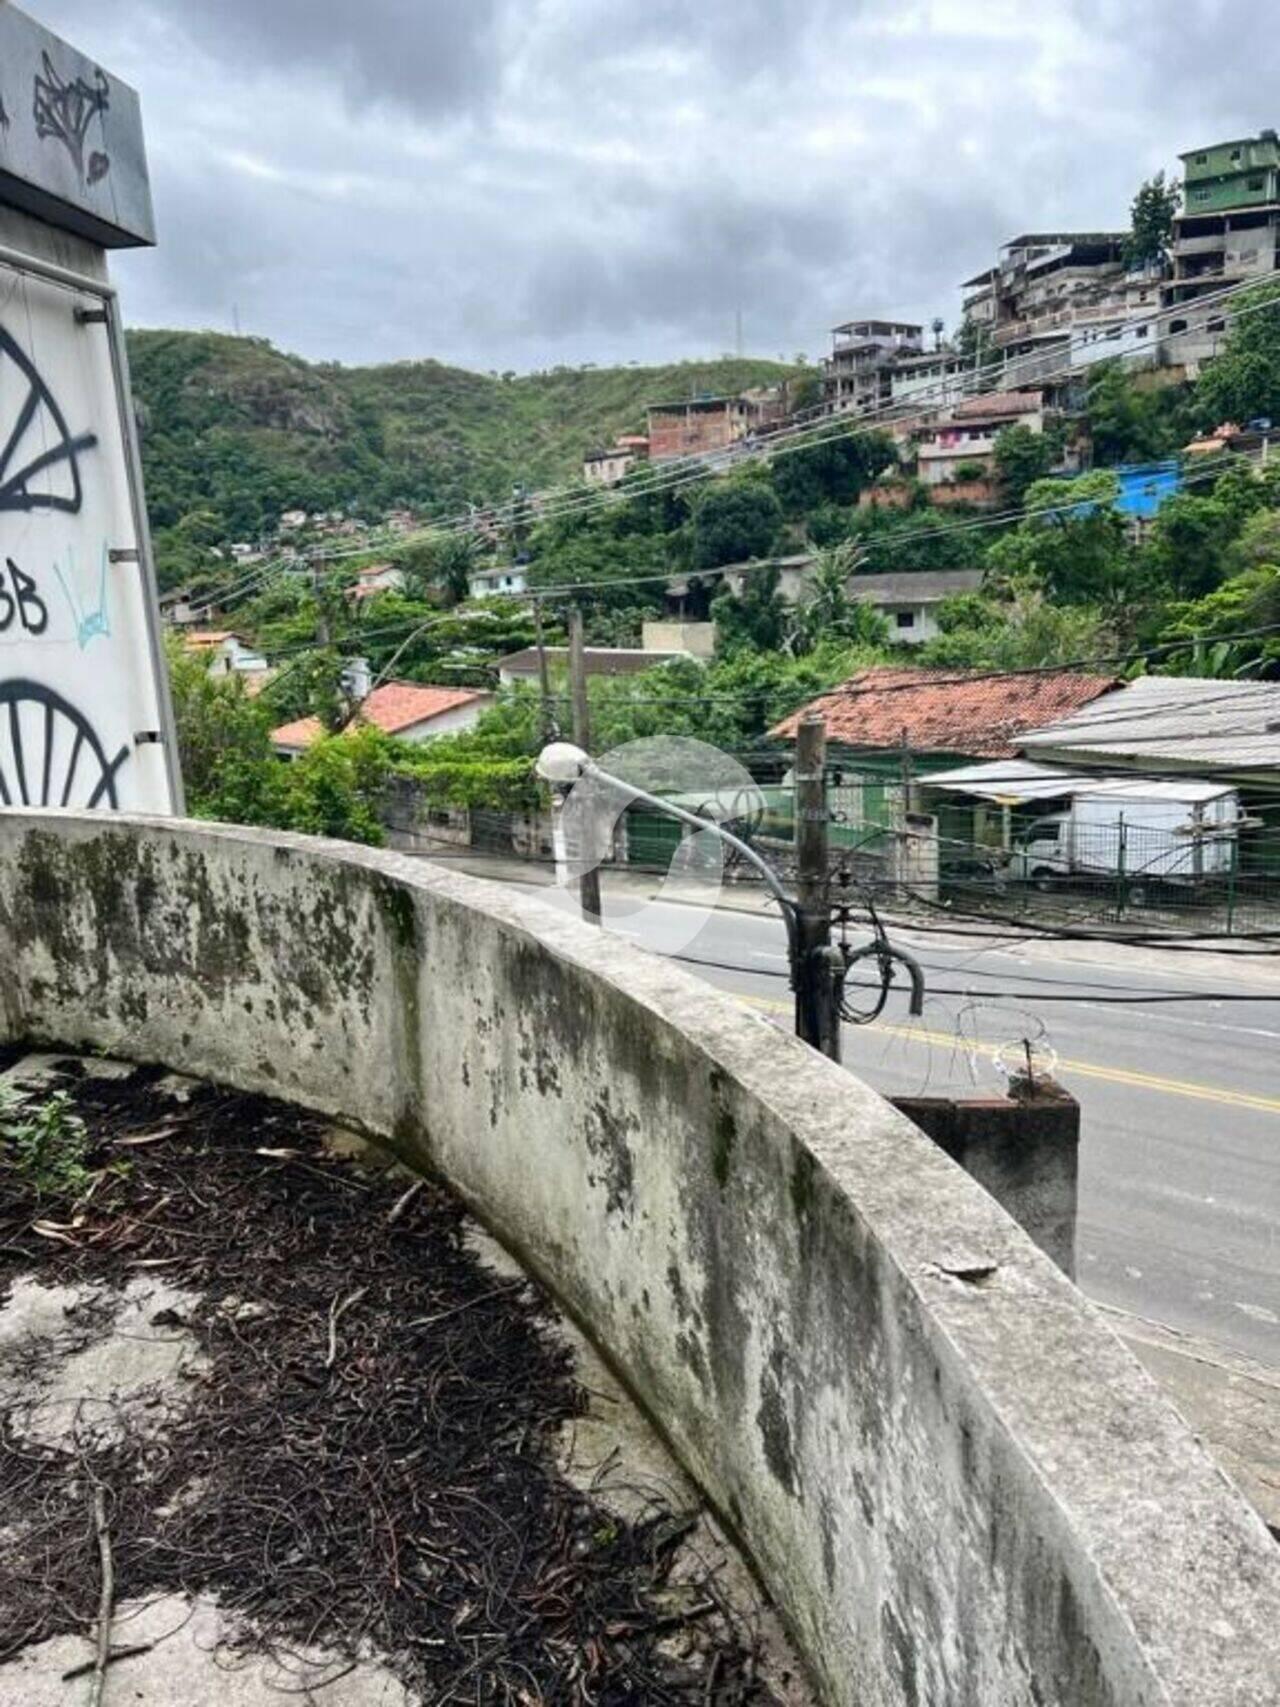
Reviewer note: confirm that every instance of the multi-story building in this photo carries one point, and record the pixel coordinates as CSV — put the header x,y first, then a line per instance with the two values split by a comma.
x,y
1228,232
968,435
864,353
1052,297
703,426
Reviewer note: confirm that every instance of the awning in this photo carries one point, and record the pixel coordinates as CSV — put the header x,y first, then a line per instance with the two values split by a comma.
x,y
1009,782
1016,782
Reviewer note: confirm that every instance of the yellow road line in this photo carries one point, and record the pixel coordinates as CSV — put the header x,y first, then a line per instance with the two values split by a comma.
x,y
1086,1069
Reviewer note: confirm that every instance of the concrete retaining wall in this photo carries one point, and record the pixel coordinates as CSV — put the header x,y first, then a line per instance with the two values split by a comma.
x,y
958,1486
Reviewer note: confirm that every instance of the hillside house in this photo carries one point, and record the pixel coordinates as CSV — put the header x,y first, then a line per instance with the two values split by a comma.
x,y
609,466
1170,726
509,580
411,711
968,435
888,727
376,578
703,426
856,376
908,600
227,654
1053,294
1227,233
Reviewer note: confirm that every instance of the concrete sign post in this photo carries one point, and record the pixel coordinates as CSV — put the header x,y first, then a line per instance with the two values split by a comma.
x,y
85,719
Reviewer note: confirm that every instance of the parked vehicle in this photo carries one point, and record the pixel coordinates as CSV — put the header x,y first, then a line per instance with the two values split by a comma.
x,y
1178,833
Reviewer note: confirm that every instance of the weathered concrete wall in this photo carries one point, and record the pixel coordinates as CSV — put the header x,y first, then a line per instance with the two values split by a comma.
x,y
1026,1154
960,1488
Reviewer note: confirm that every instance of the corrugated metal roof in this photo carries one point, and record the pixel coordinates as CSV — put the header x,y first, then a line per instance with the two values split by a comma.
x,y
1179,719
599,660
917,587
1012,781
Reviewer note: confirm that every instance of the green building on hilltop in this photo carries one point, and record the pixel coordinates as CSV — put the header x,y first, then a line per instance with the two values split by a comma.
x,y
1232,174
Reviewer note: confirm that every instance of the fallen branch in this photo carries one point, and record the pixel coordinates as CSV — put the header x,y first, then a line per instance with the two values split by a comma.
x,y
403,1201
106,1599
116,1654
336,1312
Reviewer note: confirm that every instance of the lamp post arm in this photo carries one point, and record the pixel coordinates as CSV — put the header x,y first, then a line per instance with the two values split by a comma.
x,y
771,878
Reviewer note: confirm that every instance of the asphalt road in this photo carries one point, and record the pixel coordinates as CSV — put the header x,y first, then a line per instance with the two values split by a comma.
x,y
1180,1151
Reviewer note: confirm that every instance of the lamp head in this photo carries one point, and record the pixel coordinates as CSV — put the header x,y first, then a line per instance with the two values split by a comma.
x,y
561,762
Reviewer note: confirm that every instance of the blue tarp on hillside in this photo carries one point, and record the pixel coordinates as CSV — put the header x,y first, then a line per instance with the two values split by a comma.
x,y
1145,486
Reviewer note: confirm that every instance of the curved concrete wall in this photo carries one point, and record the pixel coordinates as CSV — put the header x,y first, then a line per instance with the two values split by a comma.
x,y
958,1486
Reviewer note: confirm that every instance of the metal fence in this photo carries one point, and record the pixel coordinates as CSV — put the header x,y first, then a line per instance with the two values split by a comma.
x,y
1111,878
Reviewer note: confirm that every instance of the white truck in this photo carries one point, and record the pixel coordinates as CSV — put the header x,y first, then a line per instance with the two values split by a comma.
x,y
1148,833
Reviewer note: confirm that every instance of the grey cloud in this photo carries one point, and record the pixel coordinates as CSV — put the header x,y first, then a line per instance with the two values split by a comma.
x,y
515,183
433,57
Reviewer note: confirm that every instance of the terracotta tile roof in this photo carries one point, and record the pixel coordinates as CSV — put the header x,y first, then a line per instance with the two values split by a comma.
x,y
944,711
393,707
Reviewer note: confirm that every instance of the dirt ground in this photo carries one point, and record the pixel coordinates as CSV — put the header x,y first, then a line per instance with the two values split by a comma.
x,y
281,1423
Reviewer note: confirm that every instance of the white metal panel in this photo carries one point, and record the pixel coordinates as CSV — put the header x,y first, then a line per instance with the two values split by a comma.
x,y
81,718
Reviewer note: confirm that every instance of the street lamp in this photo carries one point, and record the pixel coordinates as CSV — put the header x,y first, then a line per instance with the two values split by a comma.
x,y
562,764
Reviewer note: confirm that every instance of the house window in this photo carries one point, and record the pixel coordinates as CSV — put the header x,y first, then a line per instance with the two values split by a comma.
x,y
1255,183
905,618
1142,331
1235,154
1202,159
1201,196
1177,326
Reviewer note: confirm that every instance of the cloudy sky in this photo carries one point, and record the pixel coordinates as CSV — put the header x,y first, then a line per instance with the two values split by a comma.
x,y
518,183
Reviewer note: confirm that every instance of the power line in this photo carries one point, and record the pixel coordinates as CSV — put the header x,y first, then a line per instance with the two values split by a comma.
x,y
568,500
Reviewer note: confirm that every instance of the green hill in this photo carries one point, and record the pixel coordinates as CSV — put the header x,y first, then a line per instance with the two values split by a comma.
x,y
235,431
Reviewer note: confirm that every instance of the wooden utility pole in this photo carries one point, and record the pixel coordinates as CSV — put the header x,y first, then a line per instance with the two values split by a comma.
x,y
549,721
817,990
589,882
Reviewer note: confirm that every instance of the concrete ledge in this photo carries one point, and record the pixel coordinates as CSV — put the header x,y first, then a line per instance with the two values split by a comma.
x,y
959,1487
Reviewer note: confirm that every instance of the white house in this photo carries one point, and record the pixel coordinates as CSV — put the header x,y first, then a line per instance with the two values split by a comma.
x,y
909,599
412,711
227,654
511,579
376,578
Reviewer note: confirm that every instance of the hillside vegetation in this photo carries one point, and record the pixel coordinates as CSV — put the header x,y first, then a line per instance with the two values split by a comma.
x,y
235,431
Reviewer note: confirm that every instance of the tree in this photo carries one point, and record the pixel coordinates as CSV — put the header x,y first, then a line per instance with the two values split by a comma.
x,y
1071,546
224,744
830,614
755,620
1192,536
337,786
833,470
1132,425
735,521
1151,222
1217,628
1023,632
973,341
1023,457
1243,382
443,562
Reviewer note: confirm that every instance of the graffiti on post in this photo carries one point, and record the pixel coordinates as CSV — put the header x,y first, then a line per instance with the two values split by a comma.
x,y
79,698
31,450
50,754
65,111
